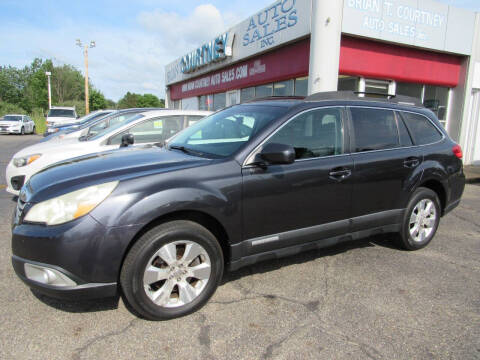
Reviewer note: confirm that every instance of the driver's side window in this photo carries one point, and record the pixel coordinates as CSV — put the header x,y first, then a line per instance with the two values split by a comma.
x,y
313,134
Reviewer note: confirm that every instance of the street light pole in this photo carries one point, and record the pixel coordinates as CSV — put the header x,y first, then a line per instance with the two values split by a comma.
x,y
85,55
48,73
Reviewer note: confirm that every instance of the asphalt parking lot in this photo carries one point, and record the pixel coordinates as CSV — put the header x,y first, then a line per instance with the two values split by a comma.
x,y
363,300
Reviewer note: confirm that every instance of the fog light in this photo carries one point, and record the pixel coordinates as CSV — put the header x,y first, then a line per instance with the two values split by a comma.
x,y
47,275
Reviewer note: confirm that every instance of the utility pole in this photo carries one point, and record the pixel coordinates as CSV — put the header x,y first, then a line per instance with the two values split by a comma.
x,y
85,55
48,73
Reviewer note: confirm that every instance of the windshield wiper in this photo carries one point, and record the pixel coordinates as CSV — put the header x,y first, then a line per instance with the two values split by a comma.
x,y
185,150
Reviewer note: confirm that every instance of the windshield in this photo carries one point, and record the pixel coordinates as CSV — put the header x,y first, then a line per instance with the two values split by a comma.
x,y
12,118
223,133
90,117
61,113
111,124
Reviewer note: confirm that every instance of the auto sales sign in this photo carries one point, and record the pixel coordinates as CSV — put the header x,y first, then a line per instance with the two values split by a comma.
x,y
281,22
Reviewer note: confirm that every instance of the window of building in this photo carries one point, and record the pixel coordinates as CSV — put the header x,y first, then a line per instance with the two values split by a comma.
x,y
219,101
436,99
301,86
247,94
422,130
374,129
263,90
205,102
409,89
313,134
347,83
176,104
283,88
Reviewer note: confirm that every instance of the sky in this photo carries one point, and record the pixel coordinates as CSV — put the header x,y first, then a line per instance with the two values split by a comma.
x,y
135,39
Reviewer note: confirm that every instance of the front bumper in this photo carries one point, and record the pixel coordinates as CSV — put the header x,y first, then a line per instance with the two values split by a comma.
x,y
13,175
78,291
83,250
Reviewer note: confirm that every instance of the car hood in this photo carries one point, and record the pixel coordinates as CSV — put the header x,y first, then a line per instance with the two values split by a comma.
x,y
63,119
52,145
121,164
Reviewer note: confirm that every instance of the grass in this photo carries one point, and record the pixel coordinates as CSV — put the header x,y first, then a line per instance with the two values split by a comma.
x,y
39,120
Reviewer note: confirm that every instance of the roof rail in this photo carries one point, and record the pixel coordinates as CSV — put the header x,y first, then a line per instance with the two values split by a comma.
x,y
364,96
266,98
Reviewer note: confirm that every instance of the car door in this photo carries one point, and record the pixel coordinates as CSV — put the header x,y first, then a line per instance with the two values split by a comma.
x,y
385,167
155,130
310,199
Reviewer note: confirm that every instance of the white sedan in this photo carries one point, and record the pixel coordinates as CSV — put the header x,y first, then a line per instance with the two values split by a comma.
x,y
17,124
154,126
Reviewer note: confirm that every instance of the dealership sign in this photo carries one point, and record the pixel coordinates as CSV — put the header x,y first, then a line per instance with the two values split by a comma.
x,y
422,23
213,51
282,22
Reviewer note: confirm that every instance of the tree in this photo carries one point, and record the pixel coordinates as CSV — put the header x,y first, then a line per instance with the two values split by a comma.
x,y
97,100
131,100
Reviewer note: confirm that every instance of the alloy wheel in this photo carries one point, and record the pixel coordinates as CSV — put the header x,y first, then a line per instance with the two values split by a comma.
x,y
422,220
177,274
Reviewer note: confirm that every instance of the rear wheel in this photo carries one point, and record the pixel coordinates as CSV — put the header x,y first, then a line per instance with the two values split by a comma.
x,y
172,270
421,219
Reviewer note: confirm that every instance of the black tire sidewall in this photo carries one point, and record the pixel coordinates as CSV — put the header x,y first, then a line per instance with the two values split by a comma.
x,y
156,239
22,132
421,193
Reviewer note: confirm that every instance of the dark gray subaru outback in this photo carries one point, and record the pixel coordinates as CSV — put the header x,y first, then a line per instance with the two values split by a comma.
x,y
252,182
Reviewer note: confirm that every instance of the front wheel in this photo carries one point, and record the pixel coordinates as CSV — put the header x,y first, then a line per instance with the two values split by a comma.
x,y
22,132
33,130
421,219
172,270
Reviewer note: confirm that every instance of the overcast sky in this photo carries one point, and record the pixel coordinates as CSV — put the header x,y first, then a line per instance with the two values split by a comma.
x,y
135,38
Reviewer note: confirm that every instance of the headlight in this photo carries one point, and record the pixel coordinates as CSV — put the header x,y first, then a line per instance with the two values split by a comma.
x,y
70,206
22,161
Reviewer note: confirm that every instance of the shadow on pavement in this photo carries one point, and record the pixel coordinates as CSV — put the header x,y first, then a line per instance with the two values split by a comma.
x,y
383,240
78,306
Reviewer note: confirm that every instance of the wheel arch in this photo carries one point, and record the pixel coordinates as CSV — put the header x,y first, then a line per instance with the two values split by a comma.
x,y
438,187
199,217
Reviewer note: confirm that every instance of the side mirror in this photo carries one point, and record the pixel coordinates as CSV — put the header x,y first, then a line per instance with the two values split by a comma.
x,y
127,139
278,154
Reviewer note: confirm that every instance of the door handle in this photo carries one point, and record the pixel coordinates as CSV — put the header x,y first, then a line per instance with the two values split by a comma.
x,y
411,162
339,174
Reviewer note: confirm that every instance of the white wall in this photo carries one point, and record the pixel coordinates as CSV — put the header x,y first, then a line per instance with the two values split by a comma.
x,y
469,125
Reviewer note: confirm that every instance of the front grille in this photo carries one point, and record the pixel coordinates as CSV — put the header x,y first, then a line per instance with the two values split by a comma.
x,y
17,182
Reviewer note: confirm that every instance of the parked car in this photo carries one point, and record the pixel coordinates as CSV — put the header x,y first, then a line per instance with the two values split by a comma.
x,y
17,124
101,122
252,182
77,124
146,127
61,115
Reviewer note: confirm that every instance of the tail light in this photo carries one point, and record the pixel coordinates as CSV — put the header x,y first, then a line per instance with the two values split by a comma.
x,y
457,151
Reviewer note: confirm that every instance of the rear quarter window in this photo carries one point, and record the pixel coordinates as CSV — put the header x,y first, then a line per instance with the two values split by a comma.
x,y
421,129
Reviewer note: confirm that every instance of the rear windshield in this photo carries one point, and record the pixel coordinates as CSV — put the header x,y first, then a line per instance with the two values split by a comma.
x,y
12,118
61,113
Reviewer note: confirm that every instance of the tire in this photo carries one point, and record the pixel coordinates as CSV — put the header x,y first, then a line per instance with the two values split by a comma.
x,y
22,132
178,292
33,130
421,220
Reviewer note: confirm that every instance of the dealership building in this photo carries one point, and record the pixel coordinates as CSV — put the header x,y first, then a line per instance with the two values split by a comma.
x,y
419,48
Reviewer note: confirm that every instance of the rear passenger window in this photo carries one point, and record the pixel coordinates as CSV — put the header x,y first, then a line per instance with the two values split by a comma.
x,y
313,134
422,130
374,129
